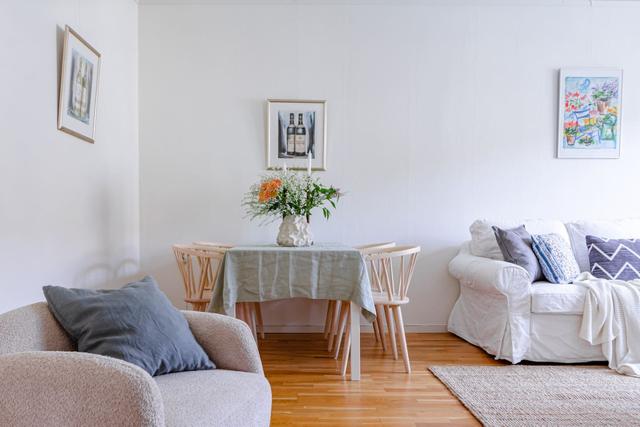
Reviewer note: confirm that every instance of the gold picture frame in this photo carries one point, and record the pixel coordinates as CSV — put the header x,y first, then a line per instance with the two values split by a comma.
x,y
306,113
79,81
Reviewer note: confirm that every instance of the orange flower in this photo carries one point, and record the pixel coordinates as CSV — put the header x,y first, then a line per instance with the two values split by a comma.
x,y
269,190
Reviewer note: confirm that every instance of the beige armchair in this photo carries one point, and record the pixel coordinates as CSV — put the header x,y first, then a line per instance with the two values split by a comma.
x,y
44,381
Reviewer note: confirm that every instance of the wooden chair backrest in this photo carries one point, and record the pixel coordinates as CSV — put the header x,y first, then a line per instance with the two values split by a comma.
x,y
213,244
374,247
396,286
370,249
199,267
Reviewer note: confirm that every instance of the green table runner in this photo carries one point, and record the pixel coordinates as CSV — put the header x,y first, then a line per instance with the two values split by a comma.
x,y
271,272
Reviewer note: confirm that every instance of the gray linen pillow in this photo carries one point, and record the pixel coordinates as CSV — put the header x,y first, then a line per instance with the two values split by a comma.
x,y
515,245
136,323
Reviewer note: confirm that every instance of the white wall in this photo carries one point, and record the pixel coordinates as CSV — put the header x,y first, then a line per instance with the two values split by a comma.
x,y
438,114
68,209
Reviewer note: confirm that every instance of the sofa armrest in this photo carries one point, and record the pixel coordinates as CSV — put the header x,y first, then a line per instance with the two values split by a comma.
x,y
32,328
488,275
228,341
494,303
71,388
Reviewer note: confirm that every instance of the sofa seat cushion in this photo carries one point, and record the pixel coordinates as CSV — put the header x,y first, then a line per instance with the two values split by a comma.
x,y
215,398
557,298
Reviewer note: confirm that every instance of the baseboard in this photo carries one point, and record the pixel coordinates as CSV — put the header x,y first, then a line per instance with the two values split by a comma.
x,y
309,329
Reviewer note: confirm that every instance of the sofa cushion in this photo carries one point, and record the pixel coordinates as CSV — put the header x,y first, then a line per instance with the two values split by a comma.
x,y
560,299
215,398
579,230
630,226
614,229
483,240
136,323
556,258
614,258
515,245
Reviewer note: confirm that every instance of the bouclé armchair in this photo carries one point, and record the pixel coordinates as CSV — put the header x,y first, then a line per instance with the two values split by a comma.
x,y
44,381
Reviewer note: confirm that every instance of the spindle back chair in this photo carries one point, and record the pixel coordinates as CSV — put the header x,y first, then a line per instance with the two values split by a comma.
x,y
390,292
337,311
199,268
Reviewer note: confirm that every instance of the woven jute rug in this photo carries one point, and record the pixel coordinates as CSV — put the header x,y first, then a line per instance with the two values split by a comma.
x,y
544,395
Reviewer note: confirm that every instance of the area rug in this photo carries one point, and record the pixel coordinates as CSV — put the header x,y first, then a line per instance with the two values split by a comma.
x,y
544,395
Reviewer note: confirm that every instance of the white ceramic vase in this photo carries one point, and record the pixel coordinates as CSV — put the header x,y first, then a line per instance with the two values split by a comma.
x,y
294,231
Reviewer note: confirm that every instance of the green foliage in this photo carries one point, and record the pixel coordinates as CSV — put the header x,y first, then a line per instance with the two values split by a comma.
x,y
600,95
284,193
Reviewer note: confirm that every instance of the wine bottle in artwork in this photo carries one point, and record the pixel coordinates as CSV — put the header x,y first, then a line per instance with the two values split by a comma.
x,y
78,83
84,97
291,136
301,137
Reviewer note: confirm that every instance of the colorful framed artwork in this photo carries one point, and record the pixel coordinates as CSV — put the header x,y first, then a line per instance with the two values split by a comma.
x,y
78,87
590,107
296,133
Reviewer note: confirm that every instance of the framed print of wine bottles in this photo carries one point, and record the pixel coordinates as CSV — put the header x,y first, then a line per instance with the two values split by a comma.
x,y
78,87
296,134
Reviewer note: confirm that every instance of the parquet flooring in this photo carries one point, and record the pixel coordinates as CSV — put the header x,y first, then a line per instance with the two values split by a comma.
x,y
308,391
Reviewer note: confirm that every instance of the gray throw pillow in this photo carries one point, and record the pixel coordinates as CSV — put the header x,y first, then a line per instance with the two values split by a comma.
x,y
515,245
136,323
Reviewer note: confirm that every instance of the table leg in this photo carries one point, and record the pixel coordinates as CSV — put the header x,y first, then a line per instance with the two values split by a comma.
x,y
355,342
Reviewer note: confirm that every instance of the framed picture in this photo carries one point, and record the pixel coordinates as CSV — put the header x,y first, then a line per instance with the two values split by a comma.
x,y
296,132
589,110
78,87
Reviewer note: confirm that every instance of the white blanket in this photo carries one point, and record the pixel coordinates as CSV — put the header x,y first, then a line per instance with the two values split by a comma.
x,y
611,318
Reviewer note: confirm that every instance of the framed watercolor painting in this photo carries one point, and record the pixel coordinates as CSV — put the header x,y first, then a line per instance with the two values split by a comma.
x,y
296,132
589,113
78,87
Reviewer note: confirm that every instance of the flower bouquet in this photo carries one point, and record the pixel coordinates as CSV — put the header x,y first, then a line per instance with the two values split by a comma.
x,y
291,197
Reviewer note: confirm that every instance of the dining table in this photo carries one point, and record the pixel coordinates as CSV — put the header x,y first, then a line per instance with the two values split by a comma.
x,y
323,271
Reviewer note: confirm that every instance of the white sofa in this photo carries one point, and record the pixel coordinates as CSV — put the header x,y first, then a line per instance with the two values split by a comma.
x,y
500,310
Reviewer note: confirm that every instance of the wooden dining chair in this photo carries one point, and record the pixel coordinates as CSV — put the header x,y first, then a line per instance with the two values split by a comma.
x,y
345,316
337,310
390,293
199,268
250,312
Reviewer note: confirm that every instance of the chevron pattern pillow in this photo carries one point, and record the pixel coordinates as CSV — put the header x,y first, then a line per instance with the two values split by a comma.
x,y
614,258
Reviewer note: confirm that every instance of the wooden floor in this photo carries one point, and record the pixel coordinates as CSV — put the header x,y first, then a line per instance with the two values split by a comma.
x,y
308,391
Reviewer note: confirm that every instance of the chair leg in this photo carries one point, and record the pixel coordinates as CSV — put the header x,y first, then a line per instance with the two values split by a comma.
x,y
376,334
251,314
334,325
346,351
403,338
259,319
328,318
244,313
378,322
239,311
344,311
391,330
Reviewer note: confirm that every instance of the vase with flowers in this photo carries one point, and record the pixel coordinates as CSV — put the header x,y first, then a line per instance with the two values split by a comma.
x,y
570,132
291,197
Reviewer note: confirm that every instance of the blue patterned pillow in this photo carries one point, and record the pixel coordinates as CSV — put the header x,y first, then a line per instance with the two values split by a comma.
x,y
614,258
556,258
